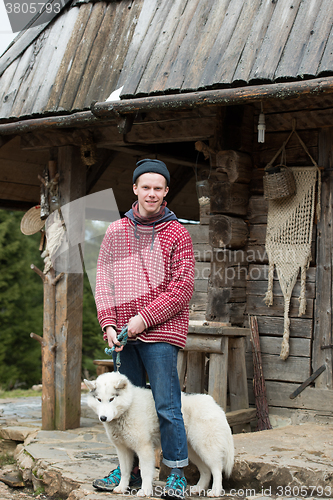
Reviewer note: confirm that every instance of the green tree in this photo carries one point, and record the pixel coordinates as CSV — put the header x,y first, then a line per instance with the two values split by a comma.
x,y
21,309
21,304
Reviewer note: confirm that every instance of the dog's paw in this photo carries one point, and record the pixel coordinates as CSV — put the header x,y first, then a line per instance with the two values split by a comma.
x,y
214,493
119,489
145,492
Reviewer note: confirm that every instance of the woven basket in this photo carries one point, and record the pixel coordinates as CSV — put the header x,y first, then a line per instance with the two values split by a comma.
x,y
279,184
31,222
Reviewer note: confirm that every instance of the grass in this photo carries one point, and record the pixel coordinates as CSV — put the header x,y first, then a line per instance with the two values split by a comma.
x,y
6,460
19,393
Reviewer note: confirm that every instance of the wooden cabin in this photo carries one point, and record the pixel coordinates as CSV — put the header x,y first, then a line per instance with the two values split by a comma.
x,y
105,83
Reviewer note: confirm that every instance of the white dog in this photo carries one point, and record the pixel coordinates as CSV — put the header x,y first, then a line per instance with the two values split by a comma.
x,y
130,420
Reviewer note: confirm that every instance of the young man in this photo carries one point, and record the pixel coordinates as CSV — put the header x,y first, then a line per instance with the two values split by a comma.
x,y
145,278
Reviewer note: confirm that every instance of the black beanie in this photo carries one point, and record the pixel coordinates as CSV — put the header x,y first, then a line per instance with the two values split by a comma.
x,y
148,165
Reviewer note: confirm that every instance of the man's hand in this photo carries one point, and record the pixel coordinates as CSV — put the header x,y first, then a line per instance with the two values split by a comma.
x,y
135,326
112,338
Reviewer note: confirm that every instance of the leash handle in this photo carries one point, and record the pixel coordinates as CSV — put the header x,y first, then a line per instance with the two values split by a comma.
x,y
122,339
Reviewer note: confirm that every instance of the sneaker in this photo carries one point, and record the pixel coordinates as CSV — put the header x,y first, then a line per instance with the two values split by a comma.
x,y
175,487
109,483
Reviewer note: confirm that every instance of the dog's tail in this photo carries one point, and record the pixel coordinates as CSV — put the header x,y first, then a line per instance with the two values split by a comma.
x,y
230,457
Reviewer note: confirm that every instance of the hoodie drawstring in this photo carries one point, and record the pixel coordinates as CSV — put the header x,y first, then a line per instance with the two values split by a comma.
x,y
136,234
152,238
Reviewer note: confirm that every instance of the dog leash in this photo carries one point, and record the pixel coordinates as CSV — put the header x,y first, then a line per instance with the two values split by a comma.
x,y
122,339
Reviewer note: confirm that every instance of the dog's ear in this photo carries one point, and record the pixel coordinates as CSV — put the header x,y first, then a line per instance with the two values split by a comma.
x,y
90,384
121,384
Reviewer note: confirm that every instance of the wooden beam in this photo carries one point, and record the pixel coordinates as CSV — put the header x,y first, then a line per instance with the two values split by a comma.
x,y
217,328
229,198
141,150
191,100
48,346
45,139
237,417
195,372
69,297
322,334
203,343
237,379
162,132
181,367
305,119
181,129
237,165
218,375
227,232
224,97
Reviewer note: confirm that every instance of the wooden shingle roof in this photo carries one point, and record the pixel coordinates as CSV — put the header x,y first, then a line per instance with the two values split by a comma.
x,y
153,47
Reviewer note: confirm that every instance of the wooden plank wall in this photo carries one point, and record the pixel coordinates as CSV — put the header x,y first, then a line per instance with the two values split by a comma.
x,y
282,377
250,275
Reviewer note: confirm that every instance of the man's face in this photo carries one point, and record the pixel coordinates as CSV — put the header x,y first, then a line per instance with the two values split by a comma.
x,y
150,189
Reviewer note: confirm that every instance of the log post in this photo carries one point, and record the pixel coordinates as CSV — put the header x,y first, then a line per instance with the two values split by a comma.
x,y
229,198
237,376
218,375
48,354
237,165
48,347
195,371
68,300
227,232
226,305
323,320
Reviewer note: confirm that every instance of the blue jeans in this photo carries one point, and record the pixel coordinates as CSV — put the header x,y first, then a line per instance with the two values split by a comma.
x,y
159,360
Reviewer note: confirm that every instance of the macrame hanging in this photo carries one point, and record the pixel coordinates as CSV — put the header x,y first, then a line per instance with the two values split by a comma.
x,y
289,236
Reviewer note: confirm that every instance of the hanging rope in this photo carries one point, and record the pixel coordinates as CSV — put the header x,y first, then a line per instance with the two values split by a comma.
x,y
122,339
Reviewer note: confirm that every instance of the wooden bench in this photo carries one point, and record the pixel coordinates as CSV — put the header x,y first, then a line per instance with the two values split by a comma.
x,y
103,365
226,348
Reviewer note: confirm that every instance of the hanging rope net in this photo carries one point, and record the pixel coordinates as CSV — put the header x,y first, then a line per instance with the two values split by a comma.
x,y
288,241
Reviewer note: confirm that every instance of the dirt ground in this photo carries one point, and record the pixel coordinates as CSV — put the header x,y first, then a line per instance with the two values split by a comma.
x,y
7,493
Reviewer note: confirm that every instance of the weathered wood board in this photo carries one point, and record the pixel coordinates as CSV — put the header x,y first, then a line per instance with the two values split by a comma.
x,y
257,307
323,321
320,400
273,326
294,369
299,347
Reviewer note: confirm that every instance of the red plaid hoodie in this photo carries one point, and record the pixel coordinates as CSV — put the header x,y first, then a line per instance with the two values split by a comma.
x,y
148,271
